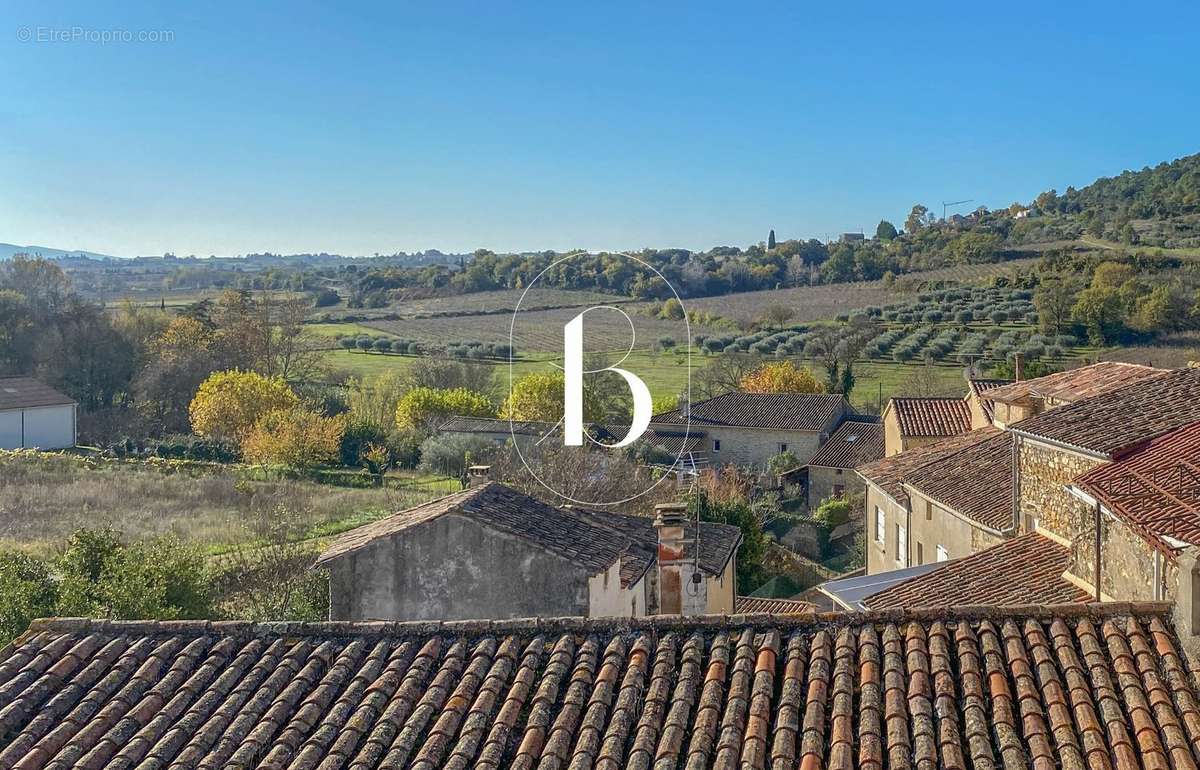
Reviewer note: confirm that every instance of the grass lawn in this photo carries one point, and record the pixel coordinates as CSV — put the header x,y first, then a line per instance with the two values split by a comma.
x,y
44,497
333,330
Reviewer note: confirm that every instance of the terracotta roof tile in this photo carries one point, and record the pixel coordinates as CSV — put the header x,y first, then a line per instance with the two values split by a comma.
x,y
777,411
1072,686
851,445
931,416
1076,384
1122,418
975,482
1155,488
26,392
979,387
752,605
889,473
1025,569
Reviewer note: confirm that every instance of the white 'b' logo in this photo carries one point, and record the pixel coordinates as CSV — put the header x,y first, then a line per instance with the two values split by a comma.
x,y
573,391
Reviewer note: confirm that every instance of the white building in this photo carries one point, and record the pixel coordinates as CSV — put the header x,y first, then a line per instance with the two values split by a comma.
x,y
34,415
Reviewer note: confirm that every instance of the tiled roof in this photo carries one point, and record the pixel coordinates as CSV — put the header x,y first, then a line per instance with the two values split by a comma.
x,y
752,605
1025,570
593,539
1077,384
778,411
466,424
1155,488
26,393
931,416
889,473
979,387
677,442
1084,686
975,481
851,445
558,530
718,542
1122,418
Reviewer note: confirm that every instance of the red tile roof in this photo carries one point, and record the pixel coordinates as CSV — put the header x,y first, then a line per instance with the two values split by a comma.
x,y
1122,418
931,416
777,411
750,605
1077,384
1084,686
1025,570
851,445
975,481
889,473
28,393
1155,488
979,387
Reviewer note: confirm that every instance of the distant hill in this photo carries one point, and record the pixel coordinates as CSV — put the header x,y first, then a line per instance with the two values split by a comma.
x,y
8,249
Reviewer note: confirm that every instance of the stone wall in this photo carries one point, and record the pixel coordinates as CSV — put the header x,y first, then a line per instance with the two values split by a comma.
x,y
821,482
1130,568
753,447
1045,473
452,568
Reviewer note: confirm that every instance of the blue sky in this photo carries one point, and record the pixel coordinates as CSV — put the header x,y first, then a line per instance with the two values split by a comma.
x,y
293,127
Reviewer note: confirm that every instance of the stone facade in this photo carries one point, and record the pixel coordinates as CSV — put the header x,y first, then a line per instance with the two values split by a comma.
x,y
753,447
1045,471
1130,568
823,484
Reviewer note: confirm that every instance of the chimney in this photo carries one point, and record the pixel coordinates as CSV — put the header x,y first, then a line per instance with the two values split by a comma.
x,y
478,475
1018,366
670,519
1187,599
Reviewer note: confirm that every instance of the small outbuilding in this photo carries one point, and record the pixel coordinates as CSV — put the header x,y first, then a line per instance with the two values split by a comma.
x,y
35,415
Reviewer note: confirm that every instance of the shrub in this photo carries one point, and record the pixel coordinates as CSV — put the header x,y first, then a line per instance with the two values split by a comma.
x,y
229,404
325,298
666,343
295,438
450,454
27,591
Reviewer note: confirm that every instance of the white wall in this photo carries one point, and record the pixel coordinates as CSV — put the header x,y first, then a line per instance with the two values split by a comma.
x,y
10,429
48,427
606,598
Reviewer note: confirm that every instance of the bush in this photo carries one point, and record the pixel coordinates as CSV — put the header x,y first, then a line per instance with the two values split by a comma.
x,y
325,298
450,454
784,461
27,591
666,343
296,438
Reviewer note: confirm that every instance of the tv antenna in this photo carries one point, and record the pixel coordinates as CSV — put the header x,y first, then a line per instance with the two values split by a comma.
x,y
948,204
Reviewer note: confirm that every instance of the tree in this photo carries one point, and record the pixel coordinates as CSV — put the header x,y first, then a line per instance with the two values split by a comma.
x,y
916,218
27,592
179,359
540,397
373,400
1100,310
780,377
1054,298
229,404
771,241
450,454
724,373
885,230
295,437
777,315
425,409
735,510
270,569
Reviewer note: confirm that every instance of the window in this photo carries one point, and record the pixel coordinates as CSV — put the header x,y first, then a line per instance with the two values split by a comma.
x,y
782,448
920,554
928,511
880,525
839,491
901,544
942,554
716,445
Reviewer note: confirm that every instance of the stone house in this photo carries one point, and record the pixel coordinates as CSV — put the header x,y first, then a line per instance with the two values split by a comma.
x,y
1066,451
1023,399
939,501
914,422
831,470
493,552
748,429
980,404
